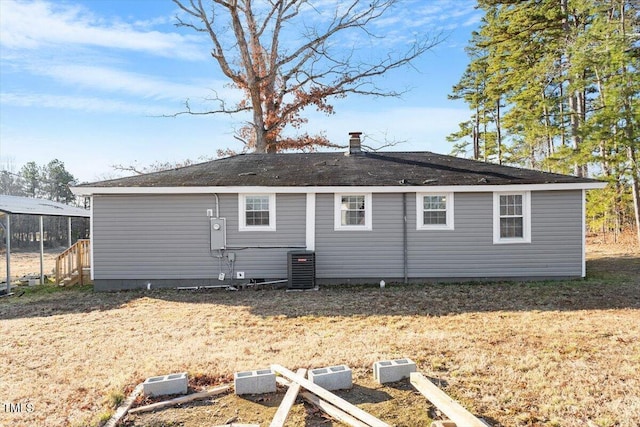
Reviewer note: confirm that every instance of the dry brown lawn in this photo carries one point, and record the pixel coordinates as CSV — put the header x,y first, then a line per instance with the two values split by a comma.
x,y
518,354
27,262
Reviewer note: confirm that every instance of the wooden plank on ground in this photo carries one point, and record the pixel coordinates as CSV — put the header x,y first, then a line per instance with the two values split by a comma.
x,y
452,409
443,423
330,397
124,408
283,382
331,410
184,399
237,425
287,402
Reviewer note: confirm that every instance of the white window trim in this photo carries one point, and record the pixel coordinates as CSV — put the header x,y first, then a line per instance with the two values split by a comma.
x,y
526,218
420,225
242,221
310,232
337,202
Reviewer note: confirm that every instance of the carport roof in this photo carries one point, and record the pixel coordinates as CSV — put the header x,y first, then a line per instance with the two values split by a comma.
x,y
31,206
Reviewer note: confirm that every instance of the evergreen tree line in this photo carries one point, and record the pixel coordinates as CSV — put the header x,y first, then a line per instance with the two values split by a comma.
x,y
50,182
554,85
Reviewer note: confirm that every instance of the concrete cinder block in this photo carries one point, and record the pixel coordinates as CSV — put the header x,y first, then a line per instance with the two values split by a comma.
x,y
166,384
332,377
389,371
255,382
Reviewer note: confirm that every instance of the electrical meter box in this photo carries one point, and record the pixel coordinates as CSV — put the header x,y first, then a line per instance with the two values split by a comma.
x,y
218,233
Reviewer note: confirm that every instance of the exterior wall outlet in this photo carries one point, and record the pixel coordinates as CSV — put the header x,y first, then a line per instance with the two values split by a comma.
x,y
221,276
240,275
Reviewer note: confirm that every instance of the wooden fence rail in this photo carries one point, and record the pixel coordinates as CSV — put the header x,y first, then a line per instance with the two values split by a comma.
x,y
72,263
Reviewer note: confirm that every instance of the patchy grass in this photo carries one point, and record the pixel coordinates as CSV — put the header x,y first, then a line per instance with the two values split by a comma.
x,y
561,353
27,294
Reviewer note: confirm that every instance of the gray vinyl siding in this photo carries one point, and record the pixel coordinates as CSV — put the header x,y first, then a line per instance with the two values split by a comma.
x,y
167,237
374,254
267,263
469,251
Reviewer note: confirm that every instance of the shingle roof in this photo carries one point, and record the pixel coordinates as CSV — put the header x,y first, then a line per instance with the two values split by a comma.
x,y
338,169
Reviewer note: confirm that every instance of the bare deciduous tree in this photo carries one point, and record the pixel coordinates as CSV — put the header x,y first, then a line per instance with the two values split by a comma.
x,y
285,56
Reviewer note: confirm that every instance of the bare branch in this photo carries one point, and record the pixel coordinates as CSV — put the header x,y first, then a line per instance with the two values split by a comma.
x,y
157,166
222,110
380,144
281,75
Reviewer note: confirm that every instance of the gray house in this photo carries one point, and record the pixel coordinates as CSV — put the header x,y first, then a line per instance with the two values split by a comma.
x,y
396,216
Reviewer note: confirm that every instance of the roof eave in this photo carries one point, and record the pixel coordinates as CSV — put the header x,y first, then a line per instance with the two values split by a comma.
x,y
90,191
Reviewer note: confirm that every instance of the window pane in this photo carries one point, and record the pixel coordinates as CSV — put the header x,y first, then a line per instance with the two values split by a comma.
x,y
511,227
511,205
257,210
353,218
435,218
504,203
518,205
257,203
435,202
434,210
352,210
258,218
353,202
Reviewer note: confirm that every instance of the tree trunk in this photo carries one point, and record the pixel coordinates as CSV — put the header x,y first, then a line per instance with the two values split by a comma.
x,y
258,126
476,136
630,136
547,127
574,107
484,134
498,133
563,141
575,127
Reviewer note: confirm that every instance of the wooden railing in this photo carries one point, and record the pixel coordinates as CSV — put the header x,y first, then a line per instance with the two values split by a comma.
x,y
73,265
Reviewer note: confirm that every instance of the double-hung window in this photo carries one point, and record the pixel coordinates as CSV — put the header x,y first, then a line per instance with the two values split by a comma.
x,y
257,212
511,217
352,211
434,211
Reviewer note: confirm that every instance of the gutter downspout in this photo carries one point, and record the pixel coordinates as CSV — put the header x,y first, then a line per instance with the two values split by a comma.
x,y
405,258
217,205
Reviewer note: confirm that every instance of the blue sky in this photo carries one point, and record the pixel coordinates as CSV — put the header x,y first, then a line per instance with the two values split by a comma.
x,y
87,81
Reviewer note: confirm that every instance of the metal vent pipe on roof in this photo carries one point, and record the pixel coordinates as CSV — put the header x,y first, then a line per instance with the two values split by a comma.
x,y
355,145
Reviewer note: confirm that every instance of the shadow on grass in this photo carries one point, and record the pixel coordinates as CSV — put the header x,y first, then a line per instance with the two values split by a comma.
x,y
612,283
359,394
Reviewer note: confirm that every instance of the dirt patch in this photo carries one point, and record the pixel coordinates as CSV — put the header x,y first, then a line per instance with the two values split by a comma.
x,y
562,353
384,402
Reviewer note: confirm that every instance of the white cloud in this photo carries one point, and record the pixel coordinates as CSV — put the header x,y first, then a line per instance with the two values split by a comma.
x,y
428,16
39,24
106,79
85,104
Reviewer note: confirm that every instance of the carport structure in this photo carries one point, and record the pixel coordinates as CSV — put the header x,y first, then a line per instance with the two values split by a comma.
x,y
16,205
